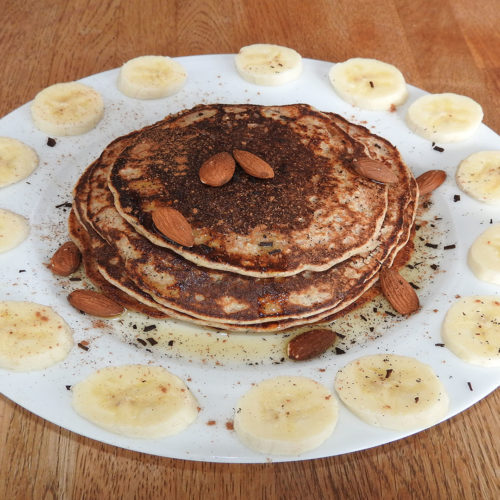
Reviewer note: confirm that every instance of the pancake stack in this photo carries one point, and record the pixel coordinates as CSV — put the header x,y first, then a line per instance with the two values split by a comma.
x,y
268,254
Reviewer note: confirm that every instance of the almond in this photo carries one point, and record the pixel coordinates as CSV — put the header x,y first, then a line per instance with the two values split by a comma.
x,y
217,170
310,344
94,303
172,224
65,260
398,291
430,180
374,170
253,165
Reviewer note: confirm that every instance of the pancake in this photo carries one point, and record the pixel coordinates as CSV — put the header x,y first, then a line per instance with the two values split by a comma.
x,y
234,301
315,212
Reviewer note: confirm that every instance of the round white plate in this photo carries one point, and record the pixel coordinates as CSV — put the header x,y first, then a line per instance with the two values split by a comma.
x,y
211,79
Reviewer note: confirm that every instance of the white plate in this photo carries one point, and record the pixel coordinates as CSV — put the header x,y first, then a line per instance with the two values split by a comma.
x,y
212,79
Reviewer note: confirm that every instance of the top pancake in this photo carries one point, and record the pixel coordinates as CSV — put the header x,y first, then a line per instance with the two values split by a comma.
x,y
315,212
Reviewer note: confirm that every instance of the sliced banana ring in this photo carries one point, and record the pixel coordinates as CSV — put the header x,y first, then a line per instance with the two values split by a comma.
x,y
285,416
266,64
17,161
369,83
471,329
444,118
484,256
392,391
479,176
70,108
151,77
32,336
14,229
136,400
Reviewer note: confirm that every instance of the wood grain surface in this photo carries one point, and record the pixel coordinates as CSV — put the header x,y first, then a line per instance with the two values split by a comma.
x,y
445,45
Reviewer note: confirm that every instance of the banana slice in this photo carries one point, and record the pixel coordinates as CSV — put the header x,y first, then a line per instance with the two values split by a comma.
x,y
266,64
70,108
285,416
17,161
14,229
32,336
369,83
471,329
479,176
151,77
444,117
392,391
136,401
484,256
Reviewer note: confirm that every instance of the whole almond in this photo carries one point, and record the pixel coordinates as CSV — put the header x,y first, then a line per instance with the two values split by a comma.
x,y
310,344
374,170
253,165
94,303
217,170
65,260
398,291
171,223
430,180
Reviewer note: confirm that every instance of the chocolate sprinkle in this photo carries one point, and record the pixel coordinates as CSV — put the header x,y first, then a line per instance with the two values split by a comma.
x,y
372,85
390,314
449,247
415,287
68,388
439,345
149,328
81,346
276,250
75,279
388,373
22,270
51,142
470,386
431,245
434,266
170,343
266,243
66,204
338,350
456,198
438,148
141,341
152,341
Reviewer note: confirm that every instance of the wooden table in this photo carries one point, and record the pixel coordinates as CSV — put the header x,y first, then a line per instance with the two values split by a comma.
x,y
446,45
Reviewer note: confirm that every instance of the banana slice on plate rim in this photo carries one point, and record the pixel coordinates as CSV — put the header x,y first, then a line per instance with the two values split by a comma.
x,y
151,77
32,336
369,83
392,391
17,161
285,415
471,329
267,64
65,109
142,401
484,255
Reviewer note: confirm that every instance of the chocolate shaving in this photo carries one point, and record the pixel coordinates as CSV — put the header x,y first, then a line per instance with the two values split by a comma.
x,y
362,317
431,245
434,266
68,388
372,85
75,278
142,341
338,350
450,247
66,204
438,148
390,314
415,287
266,243
417,399
456,198
152,341
470,386
22,270
439,345
276,250
81,346
388,373
170,343
149,328
51,142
